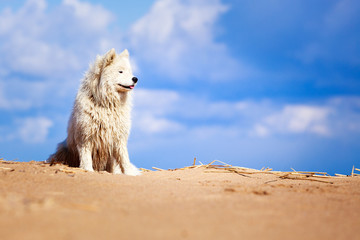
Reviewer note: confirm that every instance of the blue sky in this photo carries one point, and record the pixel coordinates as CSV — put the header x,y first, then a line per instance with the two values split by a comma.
x,y
267,83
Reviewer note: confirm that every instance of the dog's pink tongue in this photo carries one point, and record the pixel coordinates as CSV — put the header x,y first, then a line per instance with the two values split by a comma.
x,y
131,87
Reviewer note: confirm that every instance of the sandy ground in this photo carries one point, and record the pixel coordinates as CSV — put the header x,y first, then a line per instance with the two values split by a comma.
x,y
42,202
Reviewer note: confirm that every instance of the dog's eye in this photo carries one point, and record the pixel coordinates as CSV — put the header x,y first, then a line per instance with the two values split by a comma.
x,y
120,71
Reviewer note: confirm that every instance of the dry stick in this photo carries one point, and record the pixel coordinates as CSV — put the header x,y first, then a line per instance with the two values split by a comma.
x,y
270,181
225,164
197,166
7,162
309,172
352,172
322,176
159,169
145,170
305,172
307,179
242,174
194,161
67,171
216,171
71,170
340,175
7,169
207,165
226,171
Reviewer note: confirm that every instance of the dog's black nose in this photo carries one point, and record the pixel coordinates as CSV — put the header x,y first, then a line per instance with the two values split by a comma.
x,y
135,79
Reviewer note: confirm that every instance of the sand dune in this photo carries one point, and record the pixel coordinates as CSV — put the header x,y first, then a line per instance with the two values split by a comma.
x,y
38,201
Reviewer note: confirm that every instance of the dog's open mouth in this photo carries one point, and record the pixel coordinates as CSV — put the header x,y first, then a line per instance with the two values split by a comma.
x,y
127,87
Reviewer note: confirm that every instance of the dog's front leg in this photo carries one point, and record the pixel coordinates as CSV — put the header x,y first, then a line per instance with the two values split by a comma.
x,y
85,158
127,166
116,167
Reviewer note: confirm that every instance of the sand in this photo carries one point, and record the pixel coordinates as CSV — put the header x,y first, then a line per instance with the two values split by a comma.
x,y
38,201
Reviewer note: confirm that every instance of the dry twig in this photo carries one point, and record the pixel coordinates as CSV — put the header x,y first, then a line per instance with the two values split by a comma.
x,y
159,169
7,169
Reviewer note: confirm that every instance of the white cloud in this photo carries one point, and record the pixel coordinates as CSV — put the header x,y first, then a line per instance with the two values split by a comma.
x,y
93,18
151,124
177,38
155,101
31,130
215,132
260,130
152,111
296,119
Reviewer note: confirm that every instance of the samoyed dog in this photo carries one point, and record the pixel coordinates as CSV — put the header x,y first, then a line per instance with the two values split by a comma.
x,y
99,124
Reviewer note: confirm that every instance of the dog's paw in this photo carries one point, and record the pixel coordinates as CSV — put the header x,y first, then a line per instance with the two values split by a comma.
x,y
88,169
117,169
131,170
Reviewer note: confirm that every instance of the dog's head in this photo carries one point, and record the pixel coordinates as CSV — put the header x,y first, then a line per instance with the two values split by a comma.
x,y
110,78
115,71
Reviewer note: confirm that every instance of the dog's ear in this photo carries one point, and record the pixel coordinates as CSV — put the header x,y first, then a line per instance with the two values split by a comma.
x,y
124,53
109,57
103,61
97,68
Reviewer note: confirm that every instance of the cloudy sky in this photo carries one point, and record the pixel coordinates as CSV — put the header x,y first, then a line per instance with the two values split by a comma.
x,y
267,83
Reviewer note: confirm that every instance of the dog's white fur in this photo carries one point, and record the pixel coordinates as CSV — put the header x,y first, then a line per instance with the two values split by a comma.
x,y
99,125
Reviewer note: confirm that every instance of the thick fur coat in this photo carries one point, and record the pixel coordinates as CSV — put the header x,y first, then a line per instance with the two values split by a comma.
x,y
100,122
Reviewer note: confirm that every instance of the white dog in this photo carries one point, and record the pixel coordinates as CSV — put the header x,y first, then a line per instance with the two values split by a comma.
x,y
99,125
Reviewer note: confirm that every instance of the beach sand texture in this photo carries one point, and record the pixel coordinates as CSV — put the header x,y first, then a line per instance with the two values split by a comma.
x,y
38,201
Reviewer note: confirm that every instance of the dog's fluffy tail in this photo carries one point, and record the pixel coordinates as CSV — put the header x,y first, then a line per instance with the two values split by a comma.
x,y
63,155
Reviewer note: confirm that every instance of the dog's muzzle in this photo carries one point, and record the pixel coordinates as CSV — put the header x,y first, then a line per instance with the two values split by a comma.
x,y
134,79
